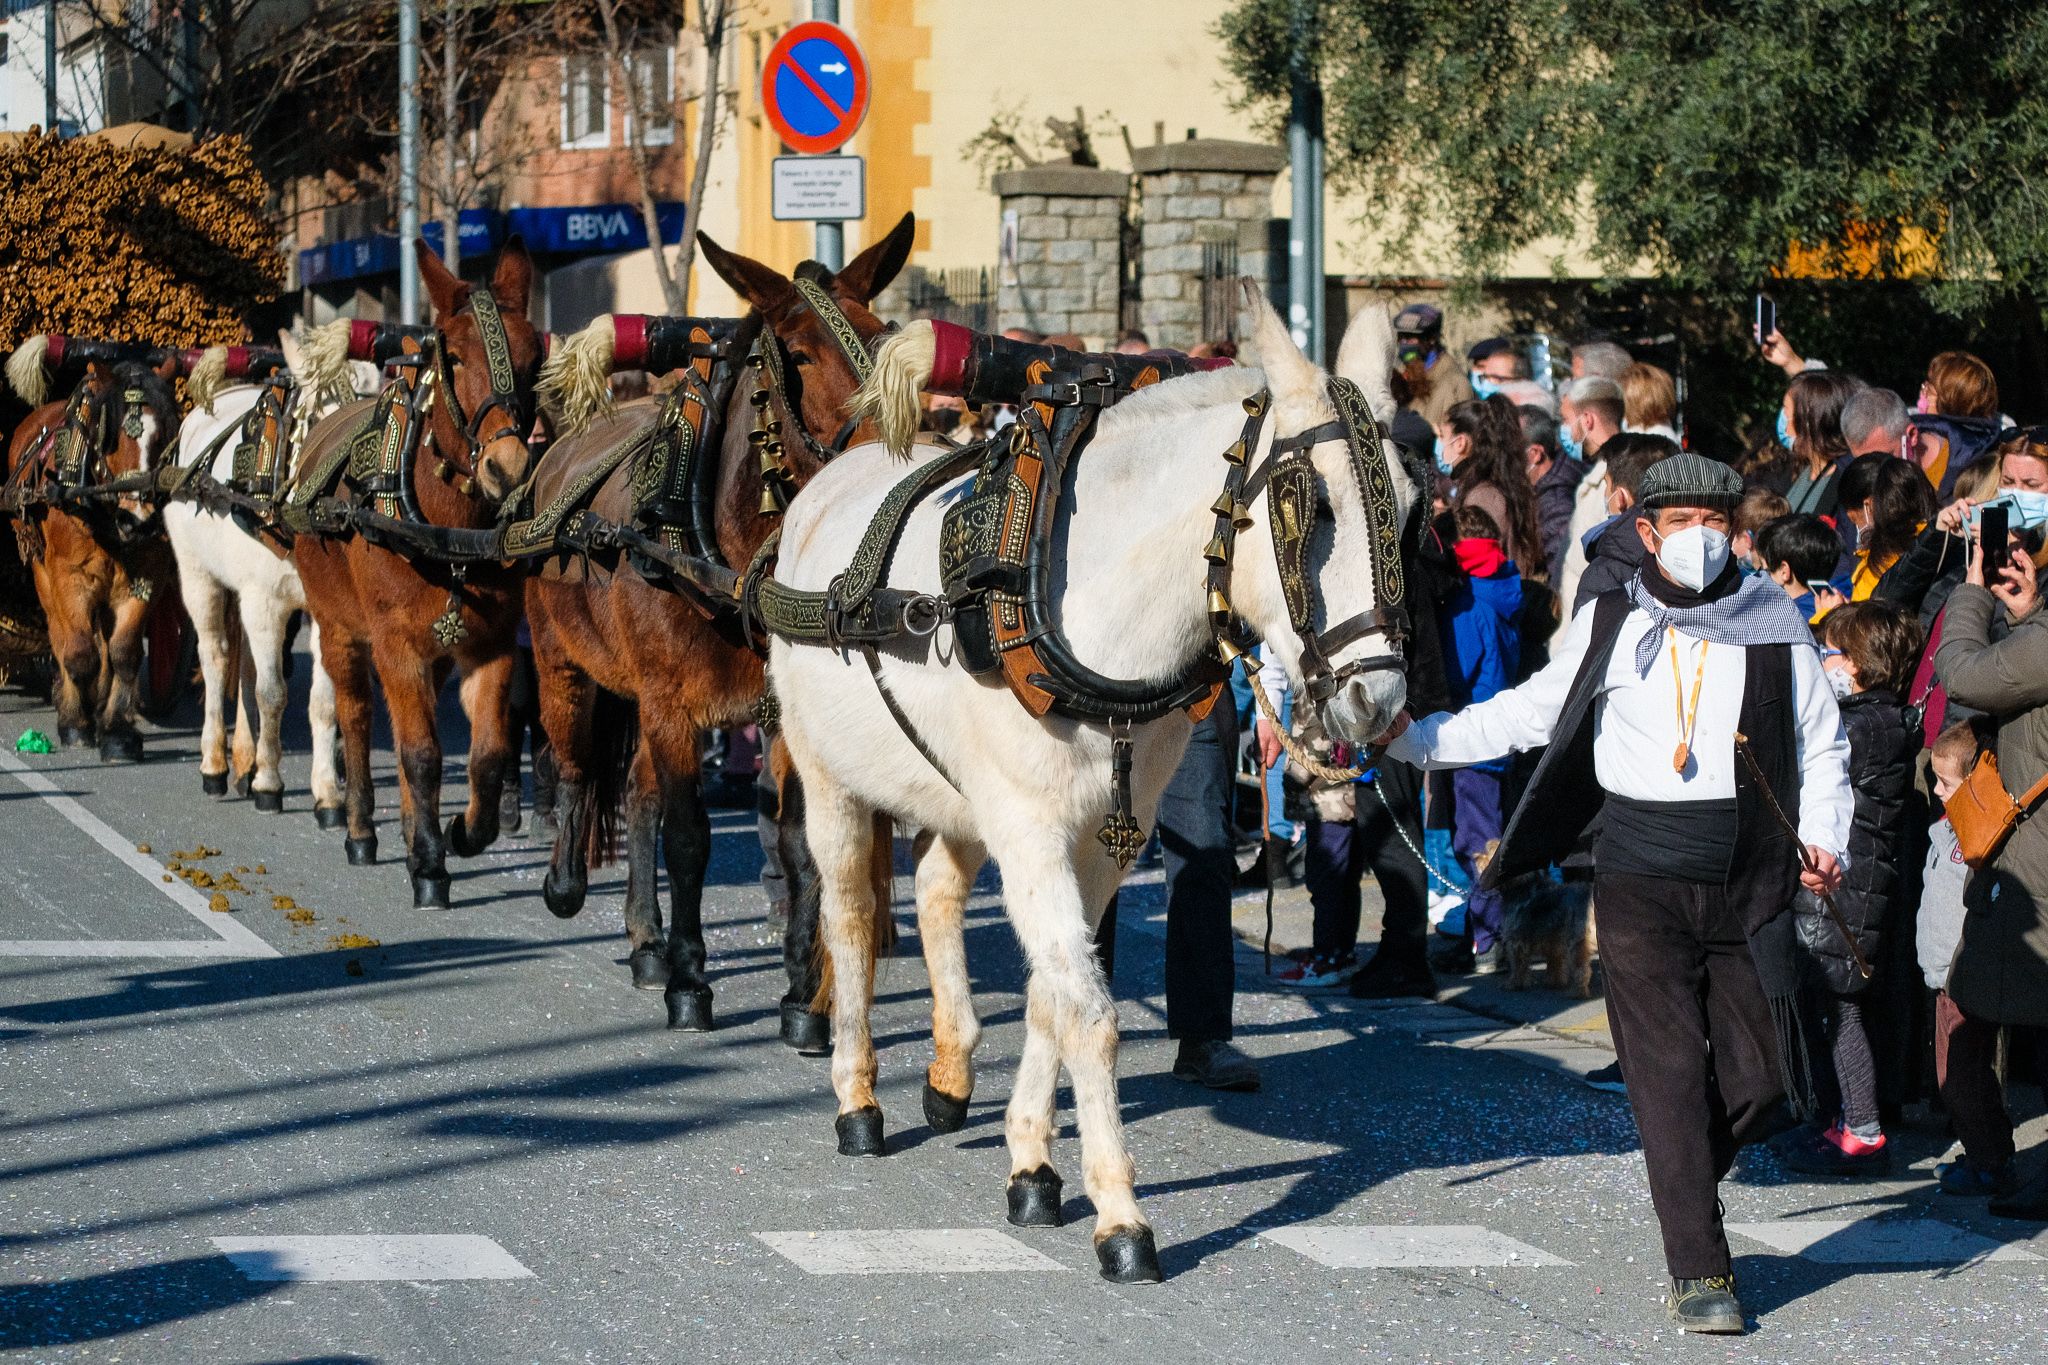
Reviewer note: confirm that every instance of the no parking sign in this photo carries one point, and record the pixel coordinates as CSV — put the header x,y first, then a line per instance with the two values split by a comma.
x,y
814,87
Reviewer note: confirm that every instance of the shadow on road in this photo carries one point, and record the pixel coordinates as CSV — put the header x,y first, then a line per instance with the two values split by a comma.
x,y
116,1302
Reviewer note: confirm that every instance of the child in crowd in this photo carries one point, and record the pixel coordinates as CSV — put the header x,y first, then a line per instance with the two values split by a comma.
x,y
1869,652
1799,552
1940,929
1482,651
1759,507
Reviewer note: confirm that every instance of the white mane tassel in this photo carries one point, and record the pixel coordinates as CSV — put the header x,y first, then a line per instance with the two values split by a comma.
x,y
576,379
325,352
25,373
209,376
890,396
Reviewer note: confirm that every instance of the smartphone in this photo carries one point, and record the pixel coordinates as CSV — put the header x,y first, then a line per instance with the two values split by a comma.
x,y
1817,586
1766,318
1991,528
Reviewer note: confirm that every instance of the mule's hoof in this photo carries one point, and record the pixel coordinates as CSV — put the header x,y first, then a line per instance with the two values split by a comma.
x,y
362,852
270,803
1129,1257
245,785
1035,1199
810,1034
944,1113
330,817
121,746
430,892
213,784
690,1012
650,969
562,902
462,843
860,1133
73,737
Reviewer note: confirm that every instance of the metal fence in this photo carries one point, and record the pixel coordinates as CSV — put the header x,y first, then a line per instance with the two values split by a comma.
x,y
1219,291
965,295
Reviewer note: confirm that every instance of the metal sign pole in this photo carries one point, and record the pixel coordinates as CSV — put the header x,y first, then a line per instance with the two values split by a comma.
x,y
1305,167
830,247
50,67
408,159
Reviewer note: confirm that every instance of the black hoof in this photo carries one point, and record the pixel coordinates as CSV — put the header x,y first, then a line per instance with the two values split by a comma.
x,y
430,892
944,1113
562,902
213,784
330,817
810,1034
650,969
270,803
690,1012
121,746
1129,1257
72,737
1035,1198
246,784
860,1133
362,852
462,843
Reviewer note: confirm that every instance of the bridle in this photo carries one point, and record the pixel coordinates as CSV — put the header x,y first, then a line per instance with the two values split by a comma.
x,y
513,406
776,392
1294,504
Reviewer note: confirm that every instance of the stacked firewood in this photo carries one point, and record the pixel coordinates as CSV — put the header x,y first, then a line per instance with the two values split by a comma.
x,y
147,244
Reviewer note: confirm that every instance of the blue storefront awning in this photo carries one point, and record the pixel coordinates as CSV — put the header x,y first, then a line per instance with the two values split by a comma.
x,y
575,230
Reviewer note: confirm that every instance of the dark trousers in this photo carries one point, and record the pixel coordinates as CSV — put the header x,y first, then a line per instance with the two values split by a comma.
x,y
1694,1035
1965,1065
1200,847
1340,852
1476,822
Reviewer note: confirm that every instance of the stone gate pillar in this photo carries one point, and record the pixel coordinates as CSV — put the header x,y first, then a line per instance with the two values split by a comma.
x,y
1066,272
1195,193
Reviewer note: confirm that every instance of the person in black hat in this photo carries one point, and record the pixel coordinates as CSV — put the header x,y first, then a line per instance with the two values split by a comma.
x,y
1431,374
1642,707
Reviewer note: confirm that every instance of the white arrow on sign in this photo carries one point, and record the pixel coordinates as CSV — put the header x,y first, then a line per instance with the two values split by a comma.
x,y
833,68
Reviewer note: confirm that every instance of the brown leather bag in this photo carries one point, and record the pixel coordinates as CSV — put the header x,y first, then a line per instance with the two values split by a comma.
x,y
1984,814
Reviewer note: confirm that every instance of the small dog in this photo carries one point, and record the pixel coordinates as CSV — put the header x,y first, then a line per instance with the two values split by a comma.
x,y
1549,921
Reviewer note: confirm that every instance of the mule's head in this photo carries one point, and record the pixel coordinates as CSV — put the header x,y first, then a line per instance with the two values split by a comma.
x,y
490,355
1322,579
820,368
138,424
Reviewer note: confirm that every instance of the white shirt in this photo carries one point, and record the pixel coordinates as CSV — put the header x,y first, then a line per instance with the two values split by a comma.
x,y
1636,726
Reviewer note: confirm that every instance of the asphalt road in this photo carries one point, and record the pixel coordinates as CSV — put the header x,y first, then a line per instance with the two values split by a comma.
x,y
345,1130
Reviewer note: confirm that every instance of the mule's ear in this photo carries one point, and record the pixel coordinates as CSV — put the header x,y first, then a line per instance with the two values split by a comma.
x,y
1291,375
512,281
98,373
760,286
444,290
294,358
869,273
1366,358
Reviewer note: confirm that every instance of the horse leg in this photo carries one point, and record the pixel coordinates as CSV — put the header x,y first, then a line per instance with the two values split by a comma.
x,y
841,834
567,697
120,741
647,953
945,878
242,753
409,693
76,648
1046,909
1034,1187
486,700
671,747
806,1026
327,790
206,604
347,659
263,626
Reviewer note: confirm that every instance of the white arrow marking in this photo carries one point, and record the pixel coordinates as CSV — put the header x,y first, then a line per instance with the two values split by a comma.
x,y
833,68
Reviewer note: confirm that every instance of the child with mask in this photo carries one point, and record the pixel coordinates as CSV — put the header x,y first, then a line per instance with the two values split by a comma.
x,y
1869,650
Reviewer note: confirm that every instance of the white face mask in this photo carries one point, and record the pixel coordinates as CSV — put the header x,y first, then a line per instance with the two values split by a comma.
x,y
1840,681
1694,557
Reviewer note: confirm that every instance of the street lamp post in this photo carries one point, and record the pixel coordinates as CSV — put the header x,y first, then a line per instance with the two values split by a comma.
x,y
408,159
1305,166
830,248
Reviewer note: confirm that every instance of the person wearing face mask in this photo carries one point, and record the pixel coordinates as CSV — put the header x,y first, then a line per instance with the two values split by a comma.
x,y
1810,426
1889,503
1590,412
1495,362
2016,477
1434,379
1694,875
1613,550
1554,480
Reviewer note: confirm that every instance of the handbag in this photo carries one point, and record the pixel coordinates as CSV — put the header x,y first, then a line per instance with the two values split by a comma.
x,y
1984,814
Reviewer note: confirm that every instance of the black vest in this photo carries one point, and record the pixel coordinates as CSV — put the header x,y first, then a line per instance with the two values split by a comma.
x,y
1565,794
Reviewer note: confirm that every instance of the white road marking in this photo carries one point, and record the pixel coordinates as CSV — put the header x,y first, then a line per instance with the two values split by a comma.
x,y
1403,1247
1880,1241
934,1251
457,1256
231,939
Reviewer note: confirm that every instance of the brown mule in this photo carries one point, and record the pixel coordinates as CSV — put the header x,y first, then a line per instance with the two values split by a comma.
x,y
599,625
377,605
98,564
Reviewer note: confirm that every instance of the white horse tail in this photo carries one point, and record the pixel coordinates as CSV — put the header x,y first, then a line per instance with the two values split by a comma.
x,y
1366,358
882,887
903,366
325,351
25,372
209,376
575,382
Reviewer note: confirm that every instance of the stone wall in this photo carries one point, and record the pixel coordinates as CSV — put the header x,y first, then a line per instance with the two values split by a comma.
x,y
1069,254
1194,192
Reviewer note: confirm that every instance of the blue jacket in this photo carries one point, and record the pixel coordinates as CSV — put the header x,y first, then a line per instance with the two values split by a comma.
x,y
1480,614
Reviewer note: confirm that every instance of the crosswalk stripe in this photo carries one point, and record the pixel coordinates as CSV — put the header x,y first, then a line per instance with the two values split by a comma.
x,y
437,1256
1880,1241
1406,1246
927,1251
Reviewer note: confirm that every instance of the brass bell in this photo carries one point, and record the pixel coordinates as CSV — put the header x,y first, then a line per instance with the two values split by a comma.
x,y
1255,404
759,398
1219,605
771,464
1223,504
1216,551
1236,453
757,360
442,469
1241,516
771,500
467,487
758,436
1231,654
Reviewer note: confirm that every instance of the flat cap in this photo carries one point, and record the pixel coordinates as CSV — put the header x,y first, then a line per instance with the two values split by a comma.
x,y
1689,480
1418,319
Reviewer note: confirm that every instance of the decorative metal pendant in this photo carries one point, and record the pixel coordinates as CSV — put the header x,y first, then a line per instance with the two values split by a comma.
x,y
448,628
141,589
1679,757
1120,832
